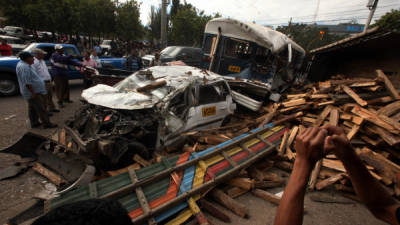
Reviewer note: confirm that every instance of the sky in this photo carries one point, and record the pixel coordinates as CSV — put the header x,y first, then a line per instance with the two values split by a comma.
x,y
273,12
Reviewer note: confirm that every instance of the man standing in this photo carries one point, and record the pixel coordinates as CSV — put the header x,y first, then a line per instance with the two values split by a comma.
x,y
33,90
41,69
59,70
5,49
133,61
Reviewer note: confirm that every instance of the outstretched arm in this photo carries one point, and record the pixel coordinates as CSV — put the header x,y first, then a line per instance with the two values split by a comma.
x,y
309,149
368,189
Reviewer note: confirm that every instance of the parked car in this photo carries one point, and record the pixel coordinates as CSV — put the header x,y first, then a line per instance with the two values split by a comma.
x,y
149,110
106,45
8,79
189,55
17,44
17,32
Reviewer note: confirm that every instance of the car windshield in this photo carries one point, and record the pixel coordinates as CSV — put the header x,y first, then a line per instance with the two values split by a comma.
x,y
106,42
10,29
171,51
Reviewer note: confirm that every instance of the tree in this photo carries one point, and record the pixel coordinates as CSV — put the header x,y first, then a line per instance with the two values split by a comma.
x,y
128,26
154,25
187,25
68,17
389,21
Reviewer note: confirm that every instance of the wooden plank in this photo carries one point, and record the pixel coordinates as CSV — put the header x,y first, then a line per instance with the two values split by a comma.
x,y
214,210
137,158
373,118
363,84
326,103
197,213
292,136
267,196
390,109
346,116
295,102
329,181
392,140
308,119
388,84
380,100
270,115
322,116
354,95
53,177
283,165
269,184
314,175
389,120
357,120
230,203
282,147
139,192
235,192
241,182
334,117
333,164
353,131
368,140
134,166
319,96
297,95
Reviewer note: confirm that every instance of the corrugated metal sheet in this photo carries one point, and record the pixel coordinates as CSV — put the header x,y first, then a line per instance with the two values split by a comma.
x,y
191,177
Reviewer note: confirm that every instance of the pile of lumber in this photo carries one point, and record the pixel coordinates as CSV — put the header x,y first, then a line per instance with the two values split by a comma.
x,y
367,109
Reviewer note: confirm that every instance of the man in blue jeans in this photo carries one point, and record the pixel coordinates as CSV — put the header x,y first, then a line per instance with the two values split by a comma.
x,y
311,145
33,89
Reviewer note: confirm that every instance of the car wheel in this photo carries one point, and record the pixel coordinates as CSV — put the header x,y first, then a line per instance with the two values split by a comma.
x,y
8,85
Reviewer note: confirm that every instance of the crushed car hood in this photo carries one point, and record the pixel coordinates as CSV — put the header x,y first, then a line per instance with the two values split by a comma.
x,y
125,96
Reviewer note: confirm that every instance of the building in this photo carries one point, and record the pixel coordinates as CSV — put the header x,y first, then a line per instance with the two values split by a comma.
x,y
342,28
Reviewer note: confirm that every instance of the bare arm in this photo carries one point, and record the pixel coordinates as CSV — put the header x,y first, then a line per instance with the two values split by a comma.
x,y
31,90
309,149
368,189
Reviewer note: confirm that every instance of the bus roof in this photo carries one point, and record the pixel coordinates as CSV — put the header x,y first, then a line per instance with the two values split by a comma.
x,y
263,36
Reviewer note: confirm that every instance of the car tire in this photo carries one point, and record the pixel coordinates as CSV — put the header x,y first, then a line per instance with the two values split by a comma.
x,y
8,85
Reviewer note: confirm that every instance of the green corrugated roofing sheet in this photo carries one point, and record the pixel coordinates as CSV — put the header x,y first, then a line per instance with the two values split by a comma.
x,y
110,184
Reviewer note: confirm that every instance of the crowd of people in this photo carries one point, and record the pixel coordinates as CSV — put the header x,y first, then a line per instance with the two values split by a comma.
x,y
35,83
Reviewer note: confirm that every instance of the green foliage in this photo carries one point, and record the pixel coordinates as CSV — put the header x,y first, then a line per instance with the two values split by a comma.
x,y
87,17
389,21
187,26
128,25
154,26
308,36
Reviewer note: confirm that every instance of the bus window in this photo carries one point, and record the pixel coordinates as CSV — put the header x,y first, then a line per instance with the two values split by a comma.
x,y
238,49
208,44
263,55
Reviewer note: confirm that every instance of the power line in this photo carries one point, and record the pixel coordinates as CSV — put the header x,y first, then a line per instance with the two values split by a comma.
x,y
335,13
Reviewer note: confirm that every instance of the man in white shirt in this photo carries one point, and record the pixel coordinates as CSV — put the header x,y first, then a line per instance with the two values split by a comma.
x,y
41,68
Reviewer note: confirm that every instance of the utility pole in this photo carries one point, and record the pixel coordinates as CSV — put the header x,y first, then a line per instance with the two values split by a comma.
x,y
164,4
372,4
316,12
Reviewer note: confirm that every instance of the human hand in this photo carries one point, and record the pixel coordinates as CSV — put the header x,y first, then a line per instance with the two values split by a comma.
x,y
337,142
310,145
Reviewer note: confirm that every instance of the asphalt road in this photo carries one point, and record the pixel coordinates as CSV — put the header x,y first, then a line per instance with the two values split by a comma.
x,y
16,193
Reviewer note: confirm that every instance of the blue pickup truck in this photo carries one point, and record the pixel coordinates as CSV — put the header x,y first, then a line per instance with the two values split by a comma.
x,y
8,78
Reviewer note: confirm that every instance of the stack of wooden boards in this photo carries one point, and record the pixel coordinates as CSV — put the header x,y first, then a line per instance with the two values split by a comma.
x,y
368,109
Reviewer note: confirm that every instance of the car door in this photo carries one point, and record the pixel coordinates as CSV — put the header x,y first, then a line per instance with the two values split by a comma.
x,y
213,104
